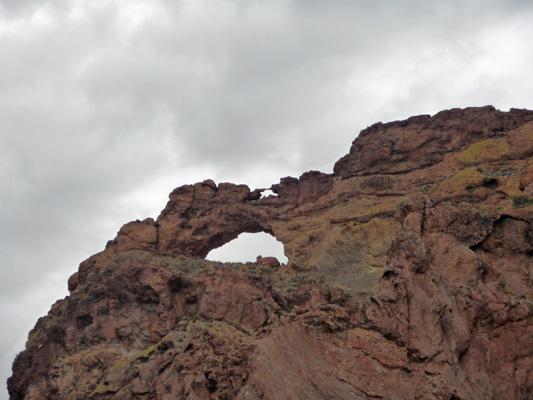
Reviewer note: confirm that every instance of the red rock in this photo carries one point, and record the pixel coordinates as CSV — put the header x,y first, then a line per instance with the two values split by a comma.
x,y
409,276
267,261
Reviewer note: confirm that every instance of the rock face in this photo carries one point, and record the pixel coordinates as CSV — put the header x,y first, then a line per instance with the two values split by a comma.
x,y
409,277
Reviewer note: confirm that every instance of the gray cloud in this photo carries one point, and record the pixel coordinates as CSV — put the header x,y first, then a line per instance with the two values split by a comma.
x,y
106,106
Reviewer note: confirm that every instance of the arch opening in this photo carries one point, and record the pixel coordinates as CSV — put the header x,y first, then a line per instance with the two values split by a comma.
x,y
266,193
247,246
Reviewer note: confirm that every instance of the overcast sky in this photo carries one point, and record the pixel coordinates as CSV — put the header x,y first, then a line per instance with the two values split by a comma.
x,y
106,106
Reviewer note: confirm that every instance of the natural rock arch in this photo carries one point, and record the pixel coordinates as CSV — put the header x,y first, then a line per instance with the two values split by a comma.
x,y
316,214
412,257
247,247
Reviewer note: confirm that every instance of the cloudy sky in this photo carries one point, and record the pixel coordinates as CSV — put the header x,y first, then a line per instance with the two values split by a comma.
x,y
106,106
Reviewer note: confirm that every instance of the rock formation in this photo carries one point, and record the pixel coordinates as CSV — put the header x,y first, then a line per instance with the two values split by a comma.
x,y
409,277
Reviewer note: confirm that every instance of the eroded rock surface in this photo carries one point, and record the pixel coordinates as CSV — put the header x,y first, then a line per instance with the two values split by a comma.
x,y
409,277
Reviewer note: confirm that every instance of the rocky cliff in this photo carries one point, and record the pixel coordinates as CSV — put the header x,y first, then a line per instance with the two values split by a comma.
x,y
409,277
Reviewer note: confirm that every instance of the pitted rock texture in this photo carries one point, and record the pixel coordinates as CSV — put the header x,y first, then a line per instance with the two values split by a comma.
x,y
409,277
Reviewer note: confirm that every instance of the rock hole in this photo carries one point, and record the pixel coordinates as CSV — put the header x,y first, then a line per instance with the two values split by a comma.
x,y
490,183
84,321
247,246
267,193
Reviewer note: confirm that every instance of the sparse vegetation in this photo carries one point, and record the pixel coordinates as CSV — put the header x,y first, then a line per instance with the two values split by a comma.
x,y
506,289
392,146
519,201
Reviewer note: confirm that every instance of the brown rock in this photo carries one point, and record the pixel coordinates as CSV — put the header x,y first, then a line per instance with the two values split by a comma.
x,y
267,261
410,276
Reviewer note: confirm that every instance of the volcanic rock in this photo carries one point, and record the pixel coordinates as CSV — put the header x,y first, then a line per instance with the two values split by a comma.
x,y
409,277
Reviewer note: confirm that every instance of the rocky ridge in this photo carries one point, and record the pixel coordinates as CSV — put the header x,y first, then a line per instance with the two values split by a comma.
x,y
409,277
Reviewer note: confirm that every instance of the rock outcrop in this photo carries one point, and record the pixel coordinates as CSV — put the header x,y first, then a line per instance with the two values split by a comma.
x,y
409,277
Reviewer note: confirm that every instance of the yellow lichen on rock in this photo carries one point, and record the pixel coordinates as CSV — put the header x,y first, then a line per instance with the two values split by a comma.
x,y
353,255
484,151
460,184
